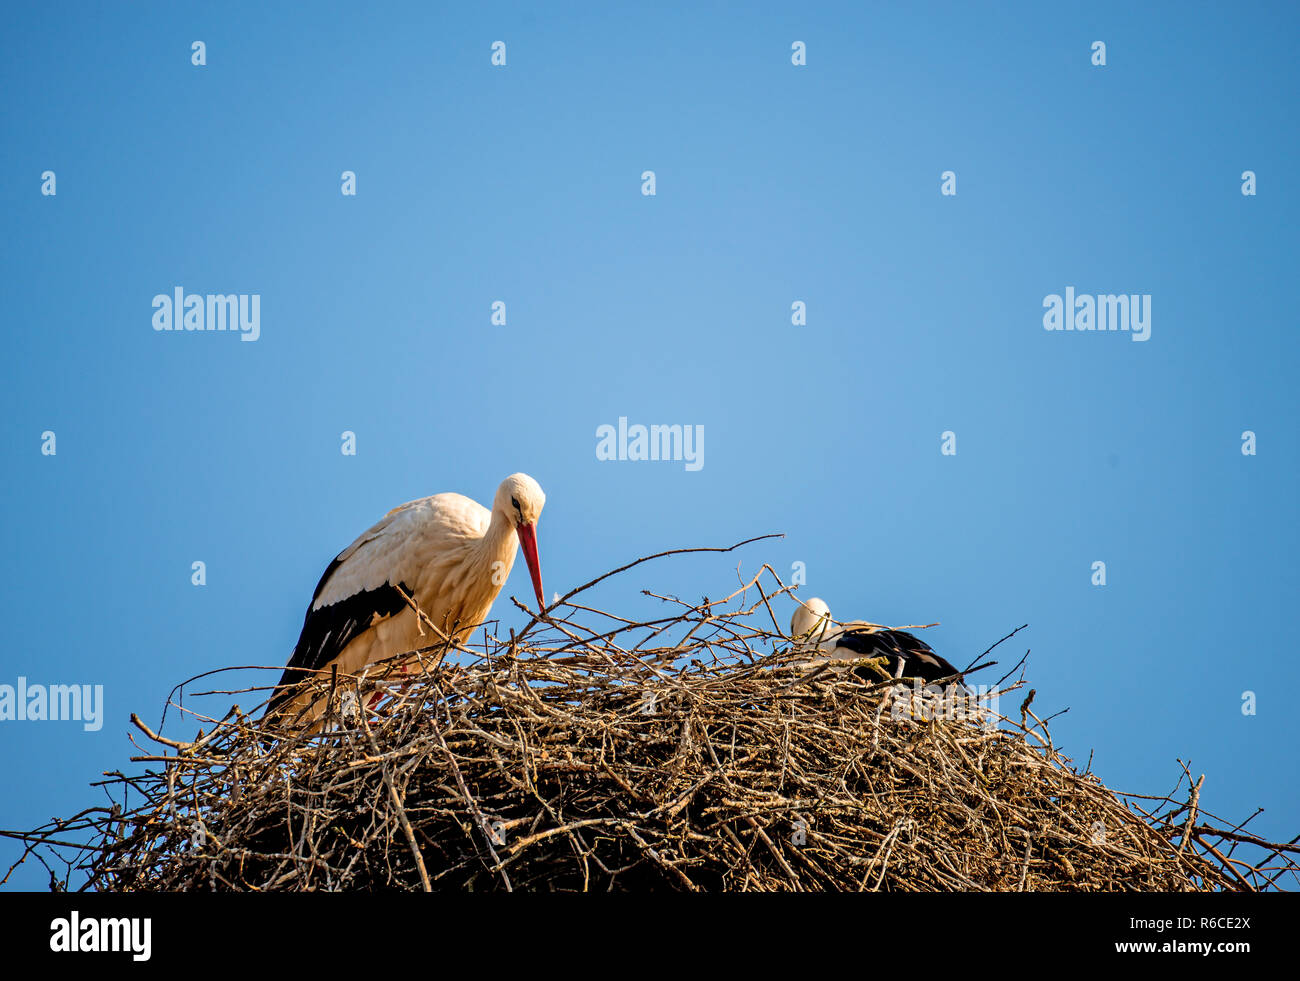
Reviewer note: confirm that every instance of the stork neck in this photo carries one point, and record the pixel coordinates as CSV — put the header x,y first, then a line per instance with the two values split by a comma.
x,y
500,543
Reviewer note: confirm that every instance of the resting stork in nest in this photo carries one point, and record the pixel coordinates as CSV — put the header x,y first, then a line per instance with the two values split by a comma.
x,y
905,655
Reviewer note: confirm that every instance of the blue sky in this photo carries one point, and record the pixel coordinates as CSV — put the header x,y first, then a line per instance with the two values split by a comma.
x,y
775,183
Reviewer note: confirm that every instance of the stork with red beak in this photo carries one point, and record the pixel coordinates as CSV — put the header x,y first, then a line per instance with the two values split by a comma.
x,y
449,554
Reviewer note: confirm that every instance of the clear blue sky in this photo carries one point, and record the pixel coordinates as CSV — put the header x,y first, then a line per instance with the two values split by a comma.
x,y
775,183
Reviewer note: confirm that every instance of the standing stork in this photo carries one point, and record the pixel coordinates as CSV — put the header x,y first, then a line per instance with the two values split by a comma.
x,y
449,554
908,656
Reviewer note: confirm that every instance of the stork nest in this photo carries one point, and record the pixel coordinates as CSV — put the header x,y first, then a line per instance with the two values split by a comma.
x,y
693,752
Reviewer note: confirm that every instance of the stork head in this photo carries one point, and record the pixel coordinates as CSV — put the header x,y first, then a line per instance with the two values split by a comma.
x,y
809,616
520,499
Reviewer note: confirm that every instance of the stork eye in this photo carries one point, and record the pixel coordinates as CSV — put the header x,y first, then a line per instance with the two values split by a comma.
x,y
515,502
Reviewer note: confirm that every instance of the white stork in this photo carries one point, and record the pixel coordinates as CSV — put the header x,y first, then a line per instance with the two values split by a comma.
x,y
449,554
812,629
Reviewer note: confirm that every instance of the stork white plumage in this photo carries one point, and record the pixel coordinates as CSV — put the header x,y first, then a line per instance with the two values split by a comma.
x,y
448,553
907,655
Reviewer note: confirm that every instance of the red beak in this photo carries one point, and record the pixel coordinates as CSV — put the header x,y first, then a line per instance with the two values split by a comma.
x,y
528,540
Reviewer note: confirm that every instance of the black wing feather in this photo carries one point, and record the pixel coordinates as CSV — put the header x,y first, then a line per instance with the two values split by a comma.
x,y
328,630
919,659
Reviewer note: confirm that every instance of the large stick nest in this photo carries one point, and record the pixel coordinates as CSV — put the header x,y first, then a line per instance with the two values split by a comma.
x,y
694,752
